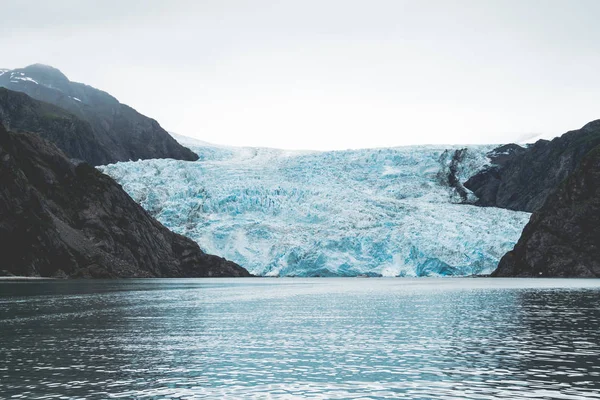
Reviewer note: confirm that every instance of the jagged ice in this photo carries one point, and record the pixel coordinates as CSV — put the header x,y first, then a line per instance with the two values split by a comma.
x,y
383,212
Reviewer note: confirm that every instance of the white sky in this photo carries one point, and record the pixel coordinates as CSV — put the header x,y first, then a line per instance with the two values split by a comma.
x,y
326,74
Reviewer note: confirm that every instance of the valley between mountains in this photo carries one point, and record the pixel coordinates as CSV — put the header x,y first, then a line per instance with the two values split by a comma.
x,y
509,210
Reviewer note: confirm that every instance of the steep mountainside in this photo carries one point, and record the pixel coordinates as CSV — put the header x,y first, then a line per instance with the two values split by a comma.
x,y
523,178
75,137
123,133
562,239
62,219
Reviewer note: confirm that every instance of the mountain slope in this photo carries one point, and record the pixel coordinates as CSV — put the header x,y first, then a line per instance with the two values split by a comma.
x,y
19,112
121,131
62,219
525,177
562,239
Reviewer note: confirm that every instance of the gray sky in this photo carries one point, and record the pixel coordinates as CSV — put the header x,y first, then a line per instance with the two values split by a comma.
x,y
326,74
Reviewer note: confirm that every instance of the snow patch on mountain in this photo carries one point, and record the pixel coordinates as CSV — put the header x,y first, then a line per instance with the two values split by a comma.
x,y
341,213
16,79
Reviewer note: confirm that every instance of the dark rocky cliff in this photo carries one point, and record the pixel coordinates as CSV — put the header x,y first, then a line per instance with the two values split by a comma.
x,y
58,218
74,137
523,178
122,133
562,239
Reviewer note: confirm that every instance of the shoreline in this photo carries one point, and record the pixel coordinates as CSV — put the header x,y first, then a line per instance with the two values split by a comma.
x,y
25,278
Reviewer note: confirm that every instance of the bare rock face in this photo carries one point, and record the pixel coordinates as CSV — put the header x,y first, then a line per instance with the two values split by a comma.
x,y
121,132
562,239
450,162
59,218
74,137
522,178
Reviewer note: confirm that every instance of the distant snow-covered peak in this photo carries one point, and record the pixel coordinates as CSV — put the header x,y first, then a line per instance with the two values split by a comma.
x,y
37,74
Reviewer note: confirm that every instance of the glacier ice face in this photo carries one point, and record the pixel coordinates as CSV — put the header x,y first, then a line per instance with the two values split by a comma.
x,y
285,213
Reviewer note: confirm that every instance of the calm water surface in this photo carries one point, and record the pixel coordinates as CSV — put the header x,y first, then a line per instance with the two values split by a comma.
x,y
311,338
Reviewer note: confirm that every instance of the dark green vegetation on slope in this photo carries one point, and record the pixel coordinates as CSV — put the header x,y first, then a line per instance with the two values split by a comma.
x,y
525,177
58,218
119,132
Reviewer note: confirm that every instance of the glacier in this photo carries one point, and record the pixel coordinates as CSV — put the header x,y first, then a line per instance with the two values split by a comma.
x,y
371,212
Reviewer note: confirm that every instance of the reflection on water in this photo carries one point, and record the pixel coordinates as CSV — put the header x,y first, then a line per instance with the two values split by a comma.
x,y
313,338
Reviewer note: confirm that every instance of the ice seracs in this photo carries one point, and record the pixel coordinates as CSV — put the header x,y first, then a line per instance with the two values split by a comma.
x,y
384,212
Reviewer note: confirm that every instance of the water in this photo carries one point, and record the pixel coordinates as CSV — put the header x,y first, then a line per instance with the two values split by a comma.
x,y
312,338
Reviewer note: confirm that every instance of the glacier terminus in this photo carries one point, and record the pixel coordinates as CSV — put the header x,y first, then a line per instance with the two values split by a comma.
x,y
371,212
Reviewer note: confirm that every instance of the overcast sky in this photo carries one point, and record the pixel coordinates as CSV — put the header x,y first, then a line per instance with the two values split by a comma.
x,y
326,74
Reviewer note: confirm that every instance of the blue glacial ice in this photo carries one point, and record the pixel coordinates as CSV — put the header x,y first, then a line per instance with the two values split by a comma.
x,y
383,212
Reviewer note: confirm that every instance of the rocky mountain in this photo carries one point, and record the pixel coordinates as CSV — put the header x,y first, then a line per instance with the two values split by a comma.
x,y
562,239
73,136
523,178
119,132
59,218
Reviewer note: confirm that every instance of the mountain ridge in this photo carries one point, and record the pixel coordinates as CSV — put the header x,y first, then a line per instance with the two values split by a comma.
x,y
121,131
523,179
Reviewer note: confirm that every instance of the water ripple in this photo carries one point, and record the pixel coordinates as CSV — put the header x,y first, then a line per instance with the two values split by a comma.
x,y
301,338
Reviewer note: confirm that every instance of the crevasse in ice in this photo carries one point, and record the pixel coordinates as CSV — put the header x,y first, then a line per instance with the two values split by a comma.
x,y
383,212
